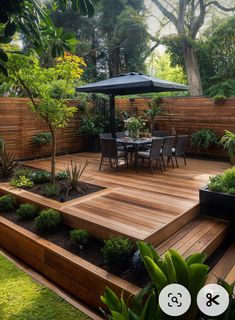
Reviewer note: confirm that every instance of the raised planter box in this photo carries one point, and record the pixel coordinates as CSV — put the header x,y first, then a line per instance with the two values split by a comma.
x,y
77,276
217,204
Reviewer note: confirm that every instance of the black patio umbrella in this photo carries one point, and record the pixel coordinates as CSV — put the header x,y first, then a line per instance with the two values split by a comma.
x,y
127,84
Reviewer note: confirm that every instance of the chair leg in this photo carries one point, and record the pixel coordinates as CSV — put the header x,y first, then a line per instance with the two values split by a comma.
x,y
176,161
172,163
151,166
110,163
127,162
185,160
142,162
101,162
160,164
164,167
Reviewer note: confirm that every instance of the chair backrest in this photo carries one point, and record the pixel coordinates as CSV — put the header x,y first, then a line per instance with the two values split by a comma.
x,y
106,135
159,134
109,148
181,143
156,147
120,134
168,144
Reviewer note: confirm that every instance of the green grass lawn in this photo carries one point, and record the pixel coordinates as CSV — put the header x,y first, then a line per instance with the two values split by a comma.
x,y
21,298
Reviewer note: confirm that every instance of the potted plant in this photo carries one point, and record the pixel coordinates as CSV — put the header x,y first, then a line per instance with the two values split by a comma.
x,y
153,111
217,199
203,139
134,125
228,141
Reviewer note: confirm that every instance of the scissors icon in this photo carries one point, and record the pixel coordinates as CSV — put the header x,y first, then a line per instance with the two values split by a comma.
x,y
212,299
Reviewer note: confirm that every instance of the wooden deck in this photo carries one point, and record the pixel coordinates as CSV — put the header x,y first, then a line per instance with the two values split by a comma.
x,y
140,206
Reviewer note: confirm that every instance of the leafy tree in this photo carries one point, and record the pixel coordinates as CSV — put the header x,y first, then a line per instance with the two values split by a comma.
x,y
38,82
26,15
188,16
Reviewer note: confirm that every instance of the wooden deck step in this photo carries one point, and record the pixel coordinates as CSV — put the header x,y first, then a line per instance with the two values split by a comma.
x,y
202,234
225,267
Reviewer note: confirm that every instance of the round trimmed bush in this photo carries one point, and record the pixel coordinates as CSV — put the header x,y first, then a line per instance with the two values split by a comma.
x,y
79,237
27,211
7,202
117,253
48,220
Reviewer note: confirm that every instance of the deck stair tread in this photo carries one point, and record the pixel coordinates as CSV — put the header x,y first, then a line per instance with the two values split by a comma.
x,y
202,234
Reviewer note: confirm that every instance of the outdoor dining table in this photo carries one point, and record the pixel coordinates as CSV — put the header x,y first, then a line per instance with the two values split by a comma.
x,y
136,143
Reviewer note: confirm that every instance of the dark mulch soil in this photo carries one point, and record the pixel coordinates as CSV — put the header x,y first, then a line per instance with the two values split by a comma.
x,y
86,188
90,253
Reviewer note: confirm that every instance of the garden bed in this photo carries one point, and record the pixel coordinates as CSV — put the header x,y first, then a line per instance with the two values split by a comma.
x,y
91,252
78,276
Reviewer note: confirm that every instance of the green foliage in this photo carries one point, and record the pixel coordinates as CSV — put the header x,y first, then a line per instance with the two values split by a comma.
x,y
80,237
91,125
134,125
222,88
203,139
117,253
40,176
42,139
21,182
27,211
219,99
7,202
228,141
62,175
224,182
74,173
48,220
154,110
50,190
7,164
173,268
23,172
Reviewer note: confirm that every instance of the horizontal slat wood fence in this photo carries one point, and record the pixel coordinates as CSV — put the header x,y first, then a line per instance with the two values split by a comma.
x,y
18,124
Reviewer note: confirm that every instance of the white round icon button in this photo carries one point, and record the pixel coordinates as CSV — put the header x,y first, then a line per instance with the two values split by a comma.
x,y
213,300
174,300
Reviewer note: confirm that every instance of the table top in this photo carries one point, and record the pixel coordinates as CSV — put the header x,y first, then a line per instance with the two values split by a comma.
x,y
135,141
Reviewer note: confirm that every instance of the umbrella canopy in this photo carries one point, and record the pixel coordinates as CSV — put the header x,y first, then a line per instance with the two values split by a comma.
x,y
127,84
132,83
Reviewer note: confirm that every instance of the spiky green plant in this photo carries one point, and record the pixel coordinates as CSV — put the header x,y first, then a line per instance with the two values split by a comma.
x,y
228,141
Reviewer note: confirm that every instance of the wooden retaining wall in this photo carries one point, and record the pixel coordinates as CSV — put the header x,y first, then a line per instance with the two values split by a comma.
x,y
186,114
18,125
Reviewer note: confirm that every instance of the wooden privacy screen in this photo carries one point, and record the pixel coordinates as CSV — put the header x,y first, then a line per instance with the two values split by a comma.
x,y
186,114
18,125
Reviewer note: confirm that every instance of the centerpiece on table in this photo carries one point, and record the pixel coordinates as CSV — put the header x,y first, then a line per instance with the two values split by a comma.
x,y
134,125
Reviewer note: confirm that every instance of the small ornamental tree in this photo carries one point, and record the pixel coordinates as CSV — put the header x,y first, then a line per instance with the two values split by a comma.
x,y
39,84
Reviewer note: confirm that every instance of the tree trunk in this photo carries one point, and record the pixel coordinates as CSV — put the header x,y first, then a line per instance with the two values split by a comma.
x,y
115,62
53,154
191,65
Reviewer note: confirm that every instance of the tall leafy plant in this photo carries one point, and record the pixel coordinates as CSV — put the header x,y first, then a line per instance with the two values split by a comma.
x,y
228,141
173,268
154,110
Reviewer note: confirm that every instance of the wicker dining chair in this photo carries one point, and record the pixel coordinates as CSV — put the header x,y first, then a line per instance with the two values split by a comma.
x,y
168,145
181,145
110,152
154,154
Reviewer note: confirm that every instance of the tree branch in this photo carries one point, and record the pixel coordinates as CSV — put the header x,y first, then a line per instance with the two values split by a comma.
x,y
200,20
166,12
181,16
218,5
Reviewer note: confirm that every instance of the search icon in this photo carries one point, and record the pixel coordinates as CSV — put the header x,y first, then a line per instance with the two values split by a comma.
x,y
174,300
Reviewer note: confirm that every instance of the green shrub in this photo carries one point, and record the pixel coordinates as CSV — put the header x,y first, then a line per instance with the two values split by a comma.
x,y
21,182
80,237
7,202
62,175
224,182
7,164
50,190
27,211
23,172
40,176
219,99
48,220
42,139
228,141
203,139
117,253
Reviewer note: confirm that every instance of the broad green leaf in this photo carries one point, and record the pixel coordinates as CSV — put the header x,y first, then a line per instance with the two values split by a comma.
x,y
111,300
181,268
197,274
170,270
150,309
118,316
155,273
196,258
137,300
144,249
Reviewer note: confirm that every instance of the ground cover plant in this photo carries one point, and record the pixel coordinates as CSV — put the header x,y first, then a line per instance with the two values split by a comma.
x,y
223,182
21,298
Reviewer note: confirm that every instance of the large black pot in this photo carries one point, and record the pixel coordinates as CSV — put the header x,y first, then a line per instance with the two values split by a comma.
x,y
217,204
94,143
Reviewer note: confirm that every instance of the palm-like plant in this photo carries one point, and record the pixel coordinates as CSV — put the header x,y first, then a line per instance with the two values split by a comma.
x,y
155,109
228,141
74,173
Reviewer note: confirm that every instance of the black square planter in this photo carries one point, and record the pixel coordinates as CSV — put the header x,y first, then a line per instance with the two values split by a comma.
x,y
217,204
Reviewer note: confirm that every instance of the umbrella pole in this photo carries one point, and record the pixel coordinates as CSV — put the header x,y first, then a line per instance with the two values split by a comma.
x,y
112,115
